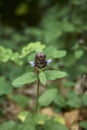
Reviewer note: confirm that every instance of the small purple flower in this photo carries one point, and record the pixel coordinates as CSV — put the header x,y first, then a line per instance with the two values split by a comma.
x,y
49,61
32,63
40,61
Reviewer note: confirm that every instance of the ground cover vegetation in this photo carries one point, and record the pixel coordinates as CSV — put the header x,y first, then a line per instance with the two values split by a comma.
x,y
43,66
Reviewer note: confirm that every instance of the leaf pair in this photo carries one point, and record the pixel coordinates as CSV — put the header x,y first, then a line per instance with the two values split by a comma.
x,y
43,76
50,75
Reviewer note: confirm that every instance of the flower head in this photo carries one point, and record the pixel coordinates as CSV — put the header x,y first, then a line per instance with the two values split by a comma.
x,y
40,61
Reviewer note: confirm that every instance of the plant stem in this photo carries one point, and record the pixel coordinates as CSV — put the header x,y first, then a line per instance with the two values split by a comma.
x,y
37,97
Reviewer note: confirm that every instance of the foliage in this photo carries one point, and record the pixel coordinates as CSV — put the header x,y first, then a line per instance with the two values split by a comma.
x,y
42,78
24,79
7,54
5,87
61,27
53,126
73,100
47,97
21,100
54,74
31,123
60,101
10,125
83,125
31,77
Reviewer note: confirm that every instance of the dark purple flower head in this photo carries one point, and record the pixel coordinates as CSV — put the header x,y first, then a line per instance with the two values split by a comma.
x,y
40,56
40,61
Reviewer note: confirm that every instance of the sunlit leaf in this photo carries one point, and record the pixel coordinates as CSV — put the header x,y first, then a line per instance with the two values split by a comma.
x,y
54,74
22,115
24,79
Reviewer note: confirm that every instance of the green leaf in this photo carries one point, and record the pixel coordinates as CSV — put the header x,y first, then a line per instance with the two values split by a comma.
x,y
10,125
37,47
16,59
22,115
83,125
31,57
79,53
82,68
3,54
59,54
52,52
52,34
46,98
78,2
60,101
73,100
84,100
21,100
51,125
42,77
24,79
75,47
5,87
30,122
54,74
67,26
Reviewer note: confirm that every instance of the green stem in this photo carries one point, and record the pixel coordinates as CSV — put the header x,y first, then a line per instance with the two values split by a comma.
x,y
37,97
